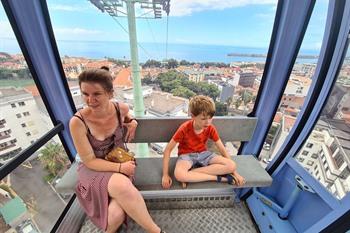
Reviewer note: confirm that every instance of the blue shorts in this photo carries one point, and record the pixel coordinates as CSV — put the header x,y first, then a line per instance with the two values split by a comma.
x,y
198,159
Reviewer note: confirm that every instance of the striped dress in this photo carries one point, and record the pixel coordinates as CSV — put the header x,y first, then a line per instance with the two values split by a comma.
x,y
91,188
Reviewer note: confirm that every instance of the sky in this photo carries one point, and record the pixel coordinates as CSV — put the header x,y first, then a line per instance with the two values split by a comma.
x,y
242,23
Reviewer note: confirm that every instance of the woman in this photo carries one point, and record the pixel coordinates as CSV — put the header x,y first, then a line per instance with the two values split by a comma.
x,y
103,191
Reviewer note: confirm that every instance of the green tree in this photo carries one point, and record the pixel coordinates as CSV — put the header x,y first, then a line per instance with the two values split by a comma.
x,y
54,159
147,80
221,109
229,101
183,92
246,97
208,90
152,63
172,63
238,103
185,63
118,62
168,86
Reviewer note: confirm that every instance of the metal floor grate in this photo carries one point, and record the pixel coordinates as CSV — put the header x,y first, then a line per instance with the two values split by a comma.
x,y
212,215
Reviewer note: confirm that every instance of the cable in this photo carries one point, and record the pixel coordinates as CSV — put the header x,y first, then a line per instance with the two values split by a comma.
x,y
153,37
127,32
167,33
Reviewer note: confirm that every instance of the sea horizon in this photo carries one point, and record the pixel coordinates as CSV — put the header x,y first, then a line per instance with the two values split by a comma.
x,y
155,51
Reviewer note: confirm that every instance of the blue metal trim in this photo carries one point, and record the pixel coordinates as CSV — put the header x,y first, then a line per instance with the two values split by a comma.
x,y
341,215
33,30
335,55
321,191
293,21
319,91
294,18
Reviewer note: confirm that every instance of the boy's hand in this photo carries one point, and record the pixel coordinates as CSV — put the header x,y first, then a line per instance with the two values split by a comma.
x,y
166,181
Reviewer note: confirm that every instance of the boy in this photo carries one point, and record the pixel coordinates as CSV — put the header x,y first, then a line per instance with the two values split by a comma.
x,y
192,137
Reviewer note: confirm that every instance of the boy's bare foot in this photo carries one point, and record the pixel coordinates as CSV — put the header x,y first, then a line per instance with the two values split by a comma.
x,y
239,180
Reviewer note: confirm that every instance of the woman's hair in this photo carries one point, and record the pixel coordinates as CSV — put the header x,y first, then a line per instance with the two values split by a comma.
x,y
99,76
202,104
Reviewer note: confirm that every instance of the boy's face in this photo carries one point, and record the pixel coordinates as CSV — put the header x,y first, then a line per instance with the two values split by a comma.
x,y
202,121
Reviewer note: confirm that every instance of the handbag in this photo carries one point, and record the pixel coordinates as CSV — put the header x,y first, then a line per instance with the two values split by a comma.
x,y
119,155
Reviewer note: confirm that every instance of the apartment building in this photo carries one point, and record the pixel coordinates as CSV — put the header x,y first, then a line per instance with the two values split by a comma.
x,y
21,121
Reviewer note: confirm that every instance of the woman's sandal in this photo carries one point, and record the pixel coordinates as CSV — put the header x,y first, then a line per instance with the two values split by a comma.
x,y
231,179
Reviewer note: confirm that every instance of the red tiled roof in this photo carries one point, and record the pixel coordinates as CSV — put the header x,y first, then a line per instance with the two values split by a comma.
x,y
278,117
123,78
32,89
289,122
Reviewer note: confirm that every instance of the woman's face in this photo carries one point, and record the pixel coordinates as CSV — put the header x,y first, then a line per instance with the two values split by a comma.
x,y
94,95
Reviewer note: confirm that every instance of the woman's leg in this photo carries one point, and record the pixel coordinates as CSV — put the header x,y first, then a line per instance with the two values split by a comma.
x,y
116,216
130,200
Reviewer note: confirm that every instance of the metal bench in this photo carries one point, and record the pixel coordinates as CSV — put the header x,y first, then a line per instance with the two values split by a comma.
x,y
149,170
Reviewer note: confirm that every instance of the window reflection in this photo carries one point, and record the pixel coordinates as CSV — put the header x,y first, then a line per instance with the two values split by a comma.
x,y
28,200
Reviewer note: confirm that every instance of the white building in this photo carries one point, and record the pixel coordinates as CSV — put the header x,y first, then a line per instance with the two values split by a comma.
x,y
22,122
326,154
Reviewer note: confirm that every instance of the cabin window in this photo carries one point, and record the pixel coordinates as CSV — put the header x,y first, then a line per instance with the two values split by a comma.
x,y
31,185
331,135
211,60
298,84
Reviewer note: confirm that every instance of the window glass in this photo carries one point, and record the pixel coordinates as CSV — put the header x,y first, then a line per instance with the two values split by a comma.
x,y
23,116
29,201
199,49
331,138
297,87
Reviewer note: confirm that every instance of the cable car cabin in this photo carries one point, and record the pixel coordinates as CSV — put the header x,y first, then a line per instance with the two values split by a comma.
x,y
288,122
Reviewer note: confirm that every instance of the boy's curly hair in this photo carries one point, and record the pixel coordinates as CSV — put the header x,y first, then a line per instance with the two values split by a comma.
x,y
202,104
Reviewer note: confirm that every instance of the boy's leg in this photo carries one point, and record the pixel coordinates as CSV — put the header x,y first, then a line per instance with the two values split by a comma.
x,y
215,165
219,165
183,173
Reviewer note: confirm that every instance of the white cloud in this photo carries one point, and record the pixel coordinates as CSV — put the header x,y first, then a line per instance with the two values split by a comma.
x,y
77,33
83,34
6,30
188,7
266,16
71,8
80,31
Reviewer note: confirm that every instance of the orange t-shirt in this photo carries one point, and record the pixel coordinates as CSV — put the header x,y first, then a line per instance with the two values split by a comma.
x,y
190,142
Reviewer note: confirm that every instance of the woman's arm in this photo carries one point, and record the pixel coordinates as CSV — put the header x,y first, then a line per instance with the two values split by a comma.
x,y
85,151
128,121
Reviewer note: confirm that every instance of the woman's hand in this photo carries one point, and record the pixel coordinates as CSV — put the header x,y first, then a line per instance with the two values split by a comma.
x,y
131,128
128,168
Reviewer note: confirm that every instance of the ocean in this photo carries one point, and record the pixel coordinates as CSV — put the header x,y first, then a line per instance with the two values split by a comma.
x,y
156,51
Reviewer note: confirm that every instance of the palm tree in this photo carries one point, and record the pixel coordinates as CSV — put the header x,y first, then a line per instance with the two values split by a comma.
x,y
54,159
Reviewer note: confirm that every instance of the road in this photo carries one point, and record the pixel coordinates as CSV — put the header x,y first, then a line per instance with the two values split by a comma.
x,y
29,184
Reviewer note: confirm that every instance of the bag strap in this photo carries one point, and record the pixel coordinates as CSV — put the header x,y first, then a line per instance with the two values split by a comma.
x,y
116,104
